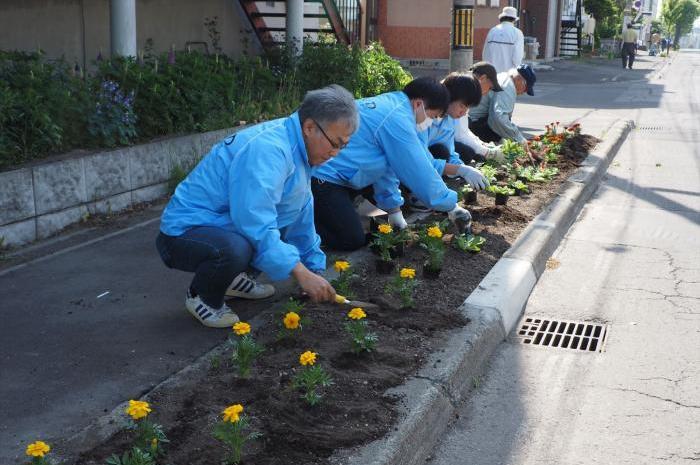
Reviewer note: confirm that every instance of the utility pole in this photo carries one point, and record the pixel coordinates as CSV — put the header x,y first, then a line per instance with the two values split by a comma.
x,y
295,26
122,17
462,53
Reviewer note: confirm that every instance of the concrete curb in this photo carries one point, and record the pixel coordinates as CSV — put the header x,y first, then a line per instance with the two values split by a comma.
x,y
431,398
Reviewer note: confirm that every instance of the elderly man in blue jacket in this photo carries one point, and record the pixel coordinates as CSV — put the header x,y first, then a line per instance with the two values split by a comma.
x,y
385,152
248,206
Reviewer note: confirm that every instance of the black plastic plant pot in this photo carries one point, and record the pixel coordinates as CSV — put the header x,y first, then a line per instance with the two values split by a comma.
x,y
396,251
501,199
520,192
470,198
384,267
430,273
501,176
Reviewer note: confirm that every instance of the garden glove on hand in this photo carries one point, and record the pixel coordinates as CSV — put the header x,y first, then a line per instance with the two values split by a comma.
x,y
461,218
396,219
473,176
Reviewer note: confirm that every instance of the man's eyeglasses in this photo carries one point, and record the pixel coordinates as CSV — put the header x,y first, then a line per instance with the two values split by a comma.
x,y
335,145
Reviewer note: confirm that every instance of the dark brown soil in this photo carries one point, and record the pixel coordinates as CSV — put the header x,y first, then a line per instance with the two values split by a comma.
x,y
354,409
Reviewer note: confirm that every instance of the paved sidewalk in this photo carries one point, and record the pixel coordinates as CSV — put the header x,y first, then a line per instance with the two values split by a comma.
x,y
76,352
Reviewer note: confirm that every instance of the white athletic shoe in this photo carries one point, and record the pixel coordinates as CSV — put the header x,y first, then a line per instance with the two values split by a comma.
x,y
213,317
248,288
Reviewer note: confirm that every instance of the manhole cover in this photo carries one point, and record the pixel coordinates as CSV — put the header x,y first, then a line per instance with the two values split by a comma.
x,y
580,336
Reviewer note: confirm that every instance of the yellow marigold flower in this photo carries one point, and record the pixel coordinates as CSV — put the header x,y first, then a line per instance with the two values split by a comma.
x,y
37,449
341,265
307,358
408,273
138,409
385,228
357,313
241,328
232,413
434,231
291,320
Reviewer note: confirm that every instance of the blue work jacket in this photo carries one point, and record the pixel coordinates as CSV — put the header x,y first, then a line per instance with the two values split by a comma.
x,y
442,132
384,151
258,185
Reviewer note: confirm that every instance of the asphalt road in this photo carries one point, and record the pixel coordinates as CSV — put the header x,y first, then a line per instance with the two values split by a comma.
x,y
631,261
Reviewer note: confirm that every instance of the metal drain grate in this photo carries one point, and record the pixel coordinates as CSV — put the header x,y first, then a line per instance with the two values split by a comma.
x,y
580,336
650,128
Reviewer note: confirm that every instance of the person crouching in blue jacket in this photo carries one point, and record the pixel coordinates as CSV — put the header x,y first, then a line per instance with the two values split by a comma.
x,y
449,157
248,206
384,152
465,92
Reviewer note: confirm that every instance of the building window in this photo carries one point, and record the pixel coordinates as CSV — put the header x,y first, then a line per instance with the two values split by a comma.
x,y
495,3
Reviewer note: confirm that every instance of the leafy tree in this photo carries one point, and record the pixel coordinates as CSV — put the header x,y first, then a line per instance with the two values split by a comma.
x,y
679,15
657,27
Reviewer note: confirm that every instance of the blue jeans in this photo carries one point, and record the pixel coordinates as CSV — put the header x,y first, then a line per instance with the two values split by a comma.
x,y
214,255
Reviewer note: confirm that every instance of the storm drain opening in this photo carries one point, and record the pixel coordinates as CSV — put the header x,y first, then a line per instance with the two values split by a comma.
x,y
580,336
650,128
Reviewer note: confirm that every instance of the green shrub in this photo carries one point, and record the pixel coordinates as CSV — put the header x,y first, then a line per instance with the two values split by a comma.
x,y
379,73
45,109
42,107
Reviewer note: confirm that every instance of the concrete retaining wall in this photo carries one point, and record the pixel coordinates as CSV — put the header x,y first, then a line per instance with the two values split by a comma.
x,y
37,202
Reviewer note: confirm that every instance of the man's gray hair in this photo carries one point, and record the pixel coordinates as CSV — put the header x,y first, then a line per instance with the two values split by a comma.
x,y
329,105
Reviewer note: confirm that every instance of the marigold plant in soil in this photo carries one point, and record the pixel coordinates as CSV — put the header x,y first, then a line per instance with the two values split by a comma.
x,y
355,408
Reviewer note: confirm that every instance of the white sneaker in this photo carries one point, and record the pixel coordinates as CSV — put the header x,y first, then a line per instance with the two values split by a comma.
x,y
248,288
213,317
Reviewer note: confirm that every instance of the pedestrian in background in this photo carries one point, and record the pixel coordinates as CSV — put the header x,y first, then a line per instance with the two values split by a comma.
x,y
505,45
629,46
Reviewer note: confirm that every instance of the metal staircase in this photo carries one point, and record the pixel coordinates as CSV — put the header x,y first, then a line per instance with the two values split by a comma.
x,y
338,18
570,36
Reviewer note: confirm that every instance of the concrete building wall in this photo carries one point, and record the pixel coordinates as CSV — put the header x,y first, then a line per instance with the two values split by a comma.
x,y
416,28
536,21
79,29
420,29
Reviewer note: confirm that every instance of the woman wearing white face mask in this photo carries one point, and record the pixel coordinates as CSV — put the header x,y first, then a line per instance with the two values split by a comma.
x,y
384,152
449,159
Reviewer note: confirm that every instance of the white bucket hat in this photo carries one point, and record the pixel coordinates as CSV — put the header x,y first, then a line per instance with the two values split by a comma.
x,y
509,12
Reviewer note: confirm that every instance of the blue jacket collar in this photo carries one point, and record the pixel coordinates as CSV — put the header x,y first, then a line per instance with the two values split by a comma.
x,y
298,136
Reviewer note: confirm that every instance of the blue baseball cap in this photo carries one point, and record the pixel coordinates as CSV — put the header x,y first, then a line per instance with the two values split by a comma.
x,y
529,75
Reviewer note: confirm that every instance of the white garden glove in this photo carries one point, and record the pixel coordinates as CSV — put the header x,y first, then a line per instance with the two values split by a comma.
x,y
397,220
473,176
496,153
461,218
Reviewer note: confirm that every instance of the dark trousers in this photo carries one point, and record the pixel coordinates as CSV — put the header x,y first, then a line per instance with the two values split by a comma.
x,y
466,153
214,256
335,217
628,49
483,131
